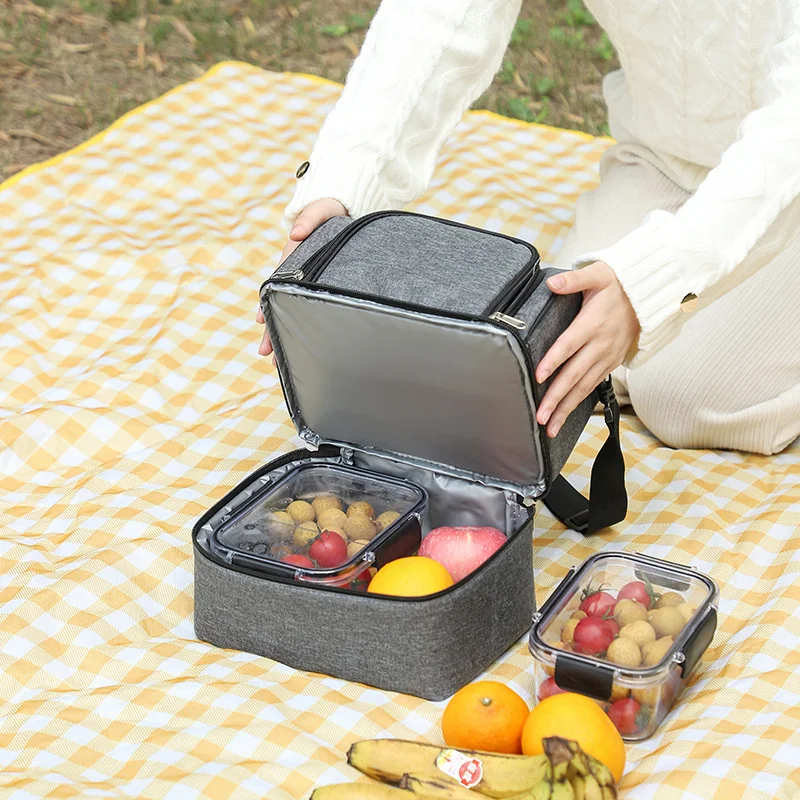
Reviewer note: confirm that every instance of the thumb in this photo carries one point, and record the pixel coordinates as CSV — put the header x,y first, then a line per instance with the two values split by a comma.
x,y
313,215
573,281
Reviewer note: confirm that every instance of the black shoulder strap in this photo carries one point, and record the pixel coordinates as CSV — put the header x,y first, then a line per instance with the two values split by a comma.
x,y
608,500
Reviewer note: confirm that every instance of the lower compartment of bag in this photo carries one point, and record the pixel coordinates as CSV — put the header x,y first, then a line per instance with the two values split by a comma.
x,y
426,646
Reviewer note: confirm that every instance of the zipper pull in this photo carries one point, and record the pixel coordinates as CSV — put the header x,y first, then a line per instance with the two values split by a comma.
x,y
297,275
519,324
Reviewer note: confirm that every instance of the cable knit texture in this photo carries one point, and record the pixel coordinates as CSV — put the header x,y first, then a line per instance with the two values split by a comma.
x,y
712,88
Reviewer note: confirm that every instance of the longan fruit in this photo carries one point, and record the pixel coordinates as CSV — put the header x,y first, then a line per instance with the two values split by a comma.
x,y
626,611
336,529
386,519
687,610
640,632
304,534
619,693
666,621
653,652
568,630
331,516
325,502
360,527
647,697
361,507
624,652
301,511
670,599
356,547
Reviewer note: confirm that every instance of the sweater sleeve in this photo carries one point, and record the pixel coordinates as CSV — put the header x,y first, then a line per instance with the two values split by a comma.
x,y
702,248
421,65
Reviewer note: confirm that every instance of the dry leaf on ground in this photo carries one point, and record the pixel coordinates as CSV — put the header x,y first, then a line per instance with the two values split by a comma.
x,y
62,99
180,27
19,133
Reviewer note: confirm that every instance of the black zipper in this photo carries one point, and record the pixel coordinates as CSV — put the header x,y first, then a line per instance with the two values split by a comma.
x,y
323,257
514,294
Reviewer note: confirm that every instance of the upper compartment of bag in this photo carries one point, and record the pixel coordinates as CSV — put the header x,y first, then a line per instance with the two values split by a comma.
x,y
392,334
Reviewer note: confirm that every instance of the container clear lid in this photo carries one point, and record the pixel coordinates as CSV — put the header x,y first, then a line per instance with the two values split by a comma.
x,y
673,607
282,525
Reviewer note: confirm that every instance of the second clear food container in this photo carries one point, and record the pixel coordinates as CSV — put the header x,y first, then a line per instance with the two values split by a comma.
x,y
626,630
327,523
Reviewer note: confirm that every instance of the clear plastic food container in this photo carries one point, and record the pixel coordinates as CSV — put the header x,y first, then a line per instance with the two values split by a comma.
x,y
627,630
326,523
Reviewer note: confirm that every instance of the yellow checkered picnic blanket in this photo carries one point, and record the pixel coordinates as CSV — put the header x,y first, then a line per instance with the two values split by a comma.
x,y
132,398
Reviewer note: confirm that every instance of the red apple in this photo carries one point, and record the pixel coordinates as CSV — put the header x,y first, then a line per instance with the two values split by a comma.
x,y
461,550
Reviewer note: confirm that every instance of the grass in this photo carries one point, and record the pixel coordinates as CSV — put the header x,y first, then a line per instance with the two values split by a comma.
x,y
68,68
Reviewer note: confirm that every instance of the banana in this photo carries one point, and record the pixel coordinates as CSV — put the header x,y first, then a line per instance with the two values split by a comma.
x,y
422,785
590,778
560,756
362,791
579,786
503,776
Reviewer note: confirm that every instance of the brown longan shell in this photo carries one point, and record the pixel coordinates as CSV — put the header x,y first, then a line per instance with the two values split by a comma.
x,y
666,621
301,511
386,519
568,630
626,611
304,534
624,652
361,507
641,632
360,527
653,652
670,599
327,501
355,547
331,516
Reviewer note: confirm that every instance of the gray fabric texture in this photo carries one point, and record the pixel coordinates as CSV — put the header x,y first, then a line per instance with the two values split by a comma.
x,y
547,315
426,262
445,391
318,239
429,648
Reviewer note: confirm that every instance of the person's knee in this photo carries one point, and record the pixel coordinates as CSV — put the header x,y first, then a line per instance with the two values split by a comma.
x,y
694,405
668,407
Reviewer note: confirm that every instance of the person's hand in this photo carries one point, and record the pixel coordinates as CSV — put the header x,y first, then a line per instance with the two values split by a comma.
x,y
309,219
594,344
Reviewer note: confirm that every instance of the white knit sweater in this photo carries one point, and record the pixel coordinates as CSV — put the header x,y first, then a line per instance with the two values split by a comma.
x,y
705,84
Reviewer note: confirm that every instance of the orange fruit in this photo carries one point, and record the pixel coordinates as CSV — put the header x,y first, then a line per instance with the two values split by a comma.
x,y
411,577
486,715
573,716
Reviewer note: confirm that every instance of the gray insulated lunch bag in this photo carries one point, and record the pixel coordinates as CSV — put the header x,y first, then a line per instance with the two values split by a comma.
x,y
406,347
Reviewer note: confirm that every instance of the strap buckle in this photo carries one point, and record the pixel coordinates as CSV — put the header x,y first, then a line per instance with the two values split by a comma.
x,y
605,391
578,521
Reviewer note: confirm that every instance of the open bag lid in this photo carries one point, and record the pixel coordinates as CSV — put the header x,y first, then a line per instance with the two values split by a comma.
x,y
375,371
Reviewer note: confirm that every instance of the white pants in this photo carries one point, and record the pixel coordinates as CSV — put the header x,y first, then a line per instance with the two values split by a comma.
x,y
731,379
